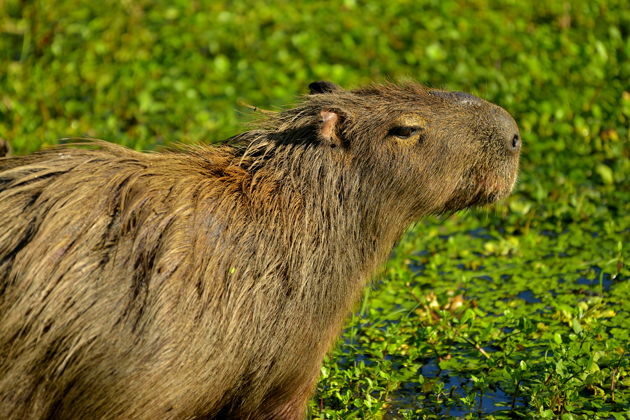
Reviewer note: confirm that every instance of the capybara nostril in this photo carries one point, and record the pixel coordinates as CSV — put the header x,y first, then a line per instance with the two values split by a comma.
x,y
506,131
516,143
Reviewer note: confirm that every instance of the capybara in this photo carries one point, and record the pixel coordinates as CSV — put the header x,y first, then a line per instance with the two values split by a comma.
x,y
209,281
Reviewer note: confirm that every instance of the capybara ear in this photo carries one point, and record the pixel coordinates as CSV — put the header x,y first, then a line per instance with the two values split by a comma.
x,y
323,87
5,148
330,128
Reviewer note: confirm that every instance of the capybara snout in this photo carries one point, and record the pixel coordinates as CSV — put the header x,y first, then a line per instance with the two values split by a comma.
x,y
507,132
209,281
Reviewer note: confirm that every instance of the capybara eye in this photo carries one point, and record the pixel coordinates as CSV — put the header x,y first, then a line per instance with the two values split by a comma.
x,y
404,132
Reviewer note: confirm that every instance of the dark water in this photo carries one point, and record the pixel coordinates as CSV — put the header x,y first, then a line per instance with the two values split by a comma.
x,y
598,277
410,396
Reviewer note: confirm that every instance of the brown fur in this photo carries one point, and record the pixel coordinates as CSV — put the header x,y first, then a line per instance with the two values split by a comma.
x,y
5,149
209,282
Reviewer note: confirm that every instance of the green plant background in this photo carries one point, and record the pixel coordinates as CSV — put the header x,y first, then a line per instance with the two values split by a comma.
x,y
517,310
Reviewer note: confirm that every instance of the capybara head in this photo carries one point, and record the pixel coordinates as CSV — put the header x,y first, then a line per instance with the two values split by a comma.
x,y
209,281
427,150
443,150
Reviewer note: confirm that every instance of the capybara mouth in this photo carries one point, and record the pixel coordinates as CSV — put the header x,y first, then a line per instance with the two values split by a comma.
x,y
499,187
478,190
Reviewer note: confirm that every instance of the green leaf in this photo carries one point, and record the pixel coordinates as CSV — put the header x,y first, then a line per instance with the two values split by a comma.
x,y
605,173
